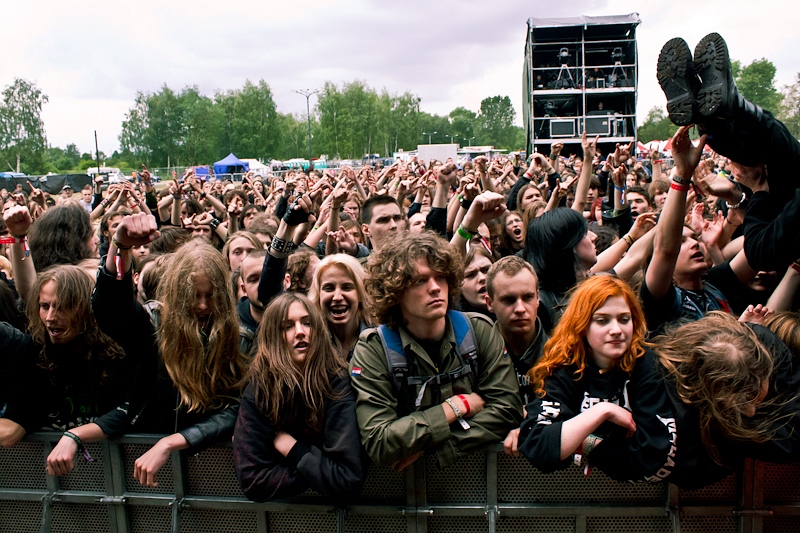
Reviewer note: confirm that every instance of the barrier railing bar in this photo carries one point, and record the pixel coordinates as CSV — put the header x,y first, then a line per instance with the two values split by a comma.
x,y
535,509
748,511
262,522
117,518
745,491
491,491
759,472
580,524
673,507
784,510
180,490
22,495
52,484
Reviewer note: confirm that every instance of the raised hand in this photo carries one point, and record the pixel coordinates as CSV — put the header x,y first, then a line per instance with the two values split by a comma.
x,y
711,230
136,230
446,174
36,195
18,220
486,206
338,198
643,223
756,315
589,147
619,175
685,154
298,212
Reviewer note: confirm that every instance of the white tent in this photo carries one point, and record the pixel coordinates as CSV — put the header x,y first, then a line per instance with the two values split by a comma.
x,y
257,166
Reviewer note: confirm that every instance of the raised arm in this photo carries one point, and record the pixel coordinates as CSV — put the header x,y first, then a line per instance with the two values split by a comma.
x,y
486,206
18,220
582,189
669,229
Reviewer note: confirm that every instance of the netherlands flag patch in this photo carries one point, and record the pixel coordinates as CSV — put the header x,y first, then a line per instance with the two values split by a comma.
x,y
356,372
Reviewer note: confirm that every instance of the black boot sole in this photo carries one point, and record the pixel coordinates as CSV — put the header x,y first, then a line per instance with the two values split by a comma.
x,y
712,64
678,80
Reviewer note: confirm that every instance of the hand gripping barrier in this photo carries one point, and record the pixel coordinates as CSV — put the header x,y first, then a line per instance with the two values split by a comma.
x,y
486,492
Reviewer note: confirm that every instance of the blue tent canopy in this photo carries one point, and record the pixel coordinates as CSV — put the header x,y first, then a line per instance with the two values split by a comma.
x,y
231,165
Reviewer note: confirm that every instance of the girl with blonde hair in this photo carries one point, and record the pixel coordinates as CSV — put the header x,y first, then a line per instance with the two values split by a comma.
x,y
337,288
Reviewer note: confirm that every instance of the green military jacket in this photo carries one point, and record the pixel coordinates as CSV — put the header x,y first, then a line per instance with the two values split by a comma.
x,y
393,429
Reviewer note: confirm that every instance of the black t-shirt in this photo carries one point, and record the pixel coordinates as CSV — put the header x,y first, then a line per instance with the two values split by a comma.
x,y
683,304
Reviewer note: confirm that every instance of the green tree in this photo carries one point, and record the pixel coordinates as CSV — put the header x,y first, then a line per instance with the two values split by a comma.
x,y
656,127
165,127
132,137
434,123
496,122
22,135
348,118
204,123
790,110
756,82
61,160
463,123
251,121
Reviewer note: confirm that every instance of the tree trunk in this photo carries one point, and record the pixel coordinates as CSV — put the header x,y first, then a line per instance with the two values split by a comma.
x,y
18,154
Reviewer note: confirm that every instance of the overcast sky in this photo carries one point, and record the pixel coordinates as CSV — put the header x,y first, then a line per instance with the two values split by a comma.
x,y
91,57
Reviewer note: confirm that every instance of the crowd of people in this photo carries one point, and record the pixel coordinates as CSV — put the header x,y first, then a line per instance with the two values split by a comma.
x,y
598,309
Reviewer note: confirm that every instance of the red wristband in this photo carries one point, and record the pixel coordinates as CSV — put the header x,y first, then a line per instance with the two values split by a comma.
x,y
794,266
466,403
681,188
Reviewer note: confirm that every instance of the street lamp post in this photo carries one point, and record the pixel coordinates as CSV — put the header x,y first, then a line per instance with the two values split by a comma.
x,y
470,141
307,93
451,137
429,135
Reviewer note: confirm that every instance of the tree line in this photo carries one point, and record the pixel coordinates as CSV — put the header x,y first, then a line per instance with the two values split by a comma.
x,y
181,128
169,128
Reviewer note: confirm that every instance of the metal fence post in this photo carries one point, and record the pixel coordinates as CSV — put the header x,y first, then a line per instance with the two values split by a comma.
x,y
180,490
52,487
492,511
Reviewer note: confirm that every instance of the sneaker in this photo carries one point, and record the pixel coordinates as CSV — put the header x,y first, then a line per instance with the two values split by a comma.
x,y
678,80
712,64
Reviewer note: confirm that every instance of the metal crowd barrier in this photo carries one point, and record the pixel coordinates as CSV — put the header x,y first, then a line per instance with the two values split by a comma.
x,y
487,491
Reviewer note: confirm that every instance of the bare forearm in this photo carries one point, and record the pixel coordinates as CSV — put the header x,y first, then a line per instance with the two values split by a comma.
x,y
783,296
24,270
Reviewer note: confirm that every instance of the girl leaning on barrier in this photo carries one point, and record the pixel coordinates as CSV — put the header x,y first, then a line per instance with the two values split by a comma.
x,y
709,394
582,378
297,424
723,391
191,373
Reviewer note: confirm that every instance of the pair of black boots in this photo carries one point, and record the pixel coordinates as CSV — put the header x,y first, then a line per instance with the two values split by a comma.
x,y
702,91
702,88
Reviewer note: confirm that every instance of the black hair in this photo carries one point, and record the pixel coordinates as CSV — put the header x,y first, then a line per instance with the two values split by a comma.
x,y
550,247
372,202
59,236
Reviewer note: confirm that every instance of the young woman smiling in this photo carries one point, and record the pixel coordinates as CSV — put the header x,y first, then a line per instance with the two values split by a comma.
x,y
337,288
